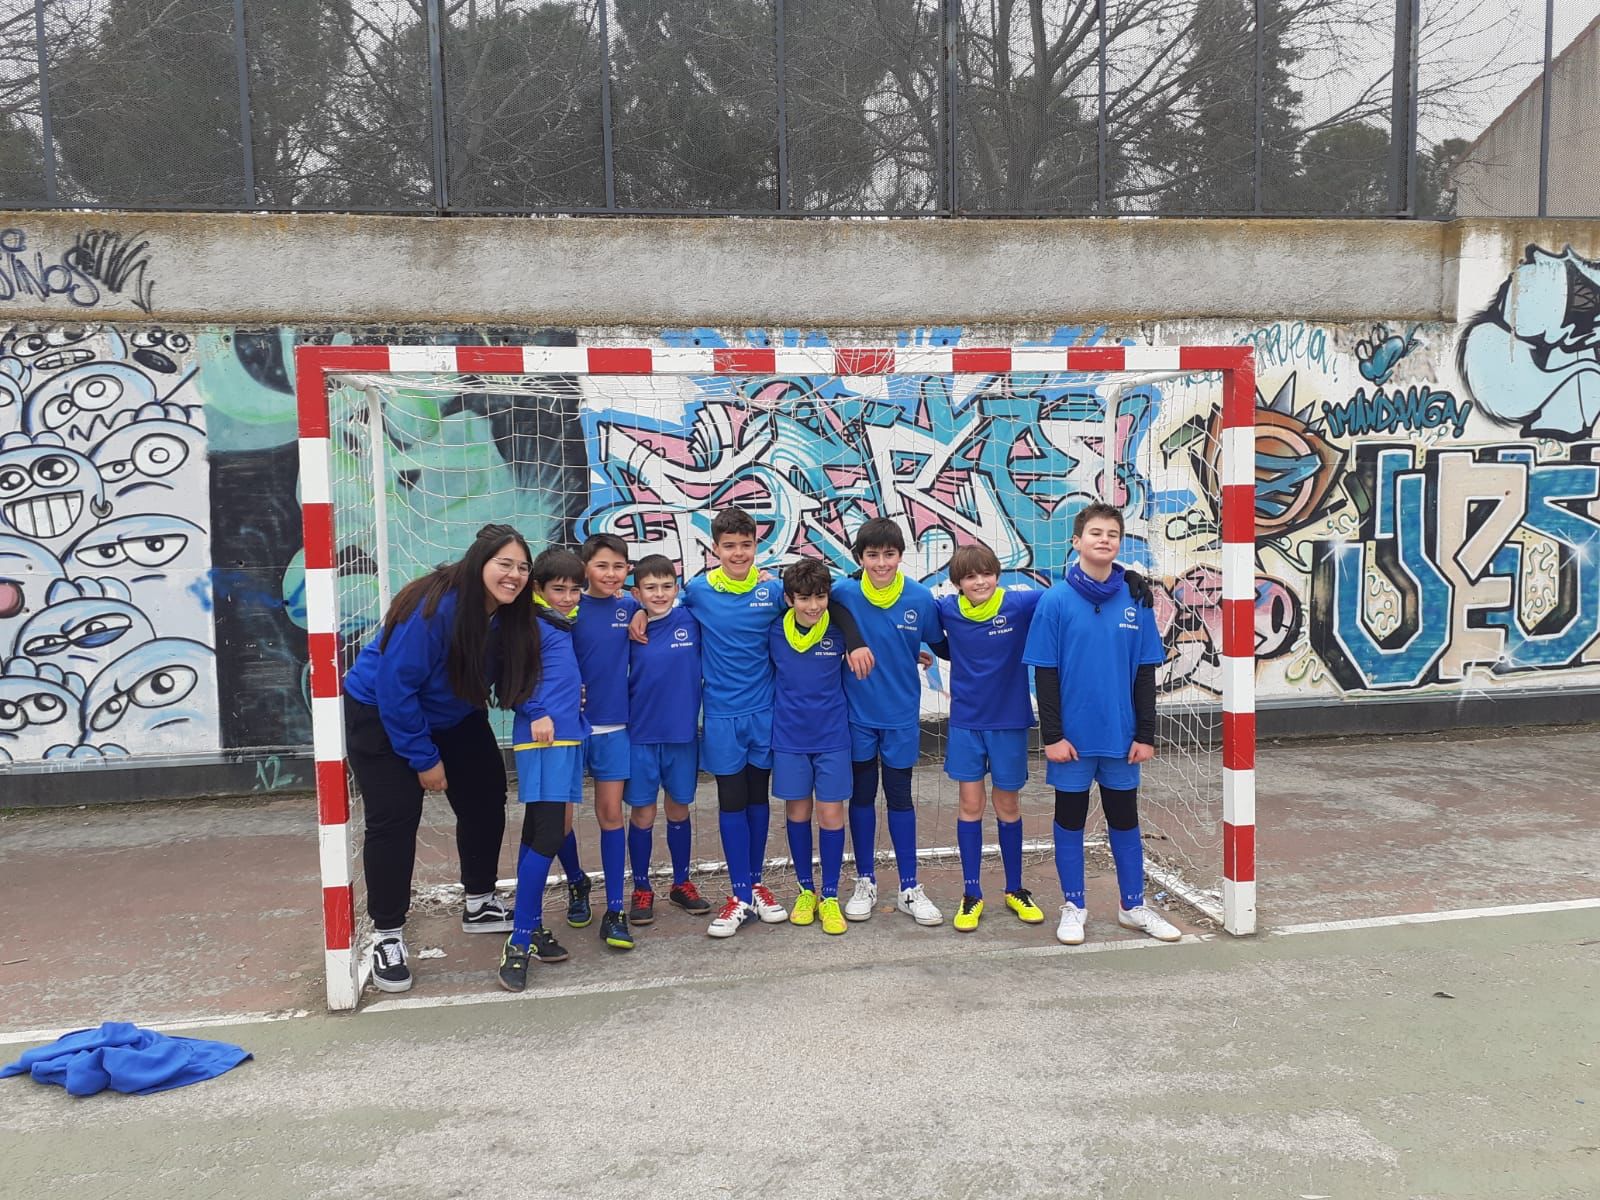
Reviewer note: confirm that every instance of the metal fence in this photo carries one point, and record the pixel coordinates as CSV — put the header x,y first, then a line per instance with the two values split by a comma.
x,y
1355,108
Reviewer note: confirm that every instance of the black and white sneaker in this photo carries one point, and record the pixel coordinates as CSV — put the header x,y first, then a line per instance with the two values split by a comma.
x,y
390,970
489,917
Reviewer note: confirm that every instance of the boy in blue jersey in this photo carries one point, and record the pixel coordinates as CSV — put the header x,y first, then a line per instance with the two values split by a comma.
x,y
547,737
991,712
664,721
896,615
1094,649
811,737
600,637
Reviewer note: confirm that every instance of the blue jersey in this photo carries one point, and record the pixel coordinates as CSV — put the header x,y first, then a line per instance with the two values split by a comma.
x,y
600,636
890,697
559,695
733,644
988,679
1098,649
664,681
408,681
808,709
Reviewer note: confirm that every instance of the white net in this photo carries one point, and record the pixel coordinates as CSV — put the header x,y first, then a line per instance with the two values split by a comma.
x,y
1002,459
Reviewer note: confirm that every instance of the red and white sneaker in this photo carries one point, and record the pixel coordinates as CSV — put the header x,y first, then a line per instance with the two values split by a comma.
x,y
734,913
767,906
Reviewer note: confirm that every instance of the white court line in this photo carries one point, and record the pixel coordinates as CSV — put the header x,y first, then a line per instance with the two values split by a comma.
x,y
163,1025
1433,918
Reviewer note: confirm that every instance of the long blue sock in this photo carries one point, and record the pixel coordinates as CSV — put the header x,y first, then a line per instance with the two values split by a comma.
x,y
864,817
759,818
570,862
613,861
533,872
1127,851
969,840
678,848
1011,853
903,835
641,841
735,828
832,846
800,852
1069,863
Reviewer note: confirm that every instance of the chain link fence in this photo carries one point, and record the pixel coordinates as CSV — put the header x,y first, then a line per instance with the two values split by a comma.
x,y
1350,108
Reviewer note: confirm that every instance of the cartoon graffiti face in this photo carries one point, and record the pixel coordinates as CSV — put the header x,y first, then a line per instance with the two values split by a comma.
x,y
160,696
27,570
47,491
88,624
50,350
141,548
159,349
157,456
38,711
81,403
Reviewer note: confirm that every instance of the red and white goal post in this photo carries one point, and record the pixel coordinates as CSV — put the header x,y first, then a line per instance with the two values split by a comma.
x,y
323,432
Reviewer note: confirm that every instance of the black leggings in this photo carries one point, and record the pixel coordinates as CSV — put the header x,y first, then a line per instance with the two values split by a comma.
x,y
739,791
544,827
391,796
1121,808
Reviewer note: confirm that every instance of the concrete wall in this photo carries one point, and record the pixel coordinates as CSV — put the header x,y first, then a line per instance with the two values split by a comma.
x,y
1428,501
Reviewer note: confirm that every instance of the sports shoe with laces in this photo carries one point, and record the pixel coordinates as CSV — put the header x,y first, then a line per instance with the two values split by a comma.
x,y
1022,903
1070,931
578,911
832,919
687,897
1148,920
862,901
733,914
805,908
614,931
544,947
490,917
390,970
966,919
914,902
513,967
767,906
642,907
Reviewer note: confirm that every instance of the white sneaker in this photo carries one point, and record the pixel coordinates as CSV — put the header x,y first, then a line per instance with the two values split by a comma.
x,y
862,901
733,914
767,906
1148,920
914,901
1070,931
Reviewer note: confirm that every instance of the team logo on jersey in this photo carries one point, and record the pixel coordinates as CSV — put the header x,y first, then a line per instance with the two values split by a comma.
x,y
622,615
999,622
680,635
762,593
826,645
910,616
1130,614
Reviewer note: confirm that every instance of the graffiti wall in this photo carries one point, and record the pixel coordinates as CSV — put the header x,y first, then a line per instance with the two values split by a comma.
x,y
1427,498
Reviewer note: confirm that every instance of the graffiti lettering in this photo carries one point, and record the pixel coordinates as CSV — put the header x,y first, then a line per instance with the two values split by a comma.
x,y
1416,410
1289,343
121,262
22,277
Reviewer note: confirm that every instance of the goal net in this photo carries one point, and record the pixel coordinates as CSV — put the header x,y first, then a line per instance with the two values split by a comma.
x,y
407,451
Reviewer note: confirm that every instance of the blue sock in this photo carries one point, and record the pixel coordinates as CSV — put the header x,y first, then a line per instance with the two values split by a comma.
x,y
1069,863
1127,851
613,855
800,852
640,843
903,834
759,817
678,848
570,862
864,817
969,840
1011,853
533,872
736,849
832,859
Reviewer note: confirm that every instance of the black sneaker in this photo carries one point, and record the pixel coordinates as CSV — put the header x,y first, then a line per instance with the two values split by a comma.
x,y
614,931
490,917
642,907
687,897
390,971
545,948
514,967
578,912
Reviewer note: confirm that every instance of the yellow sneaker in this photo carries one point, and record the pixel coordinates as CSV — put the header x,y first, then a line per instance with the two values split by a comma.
x,y
832,916
805,908
969,912
1021,903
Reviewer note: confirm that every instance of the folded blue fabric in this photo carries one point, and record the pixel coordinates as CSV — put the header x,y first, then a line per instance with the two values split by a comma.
x,y
125,1058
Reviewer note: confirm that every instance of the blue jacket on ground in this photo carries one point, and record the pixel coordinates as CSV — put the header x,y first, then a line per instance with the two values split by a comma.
x,y
125,1058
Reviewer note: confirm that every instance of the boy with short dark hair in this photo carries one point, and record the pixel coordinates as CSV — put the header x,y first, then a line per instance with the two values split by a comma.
x,y
1094,649
664,720
811,737
991,712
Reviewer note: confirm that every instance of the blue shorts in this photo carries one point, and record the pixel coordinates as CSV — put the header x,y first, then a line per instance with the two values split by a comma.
x,y
897,747
554,774
970,754
1118,774
606,756
825,775
674,766
729,744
